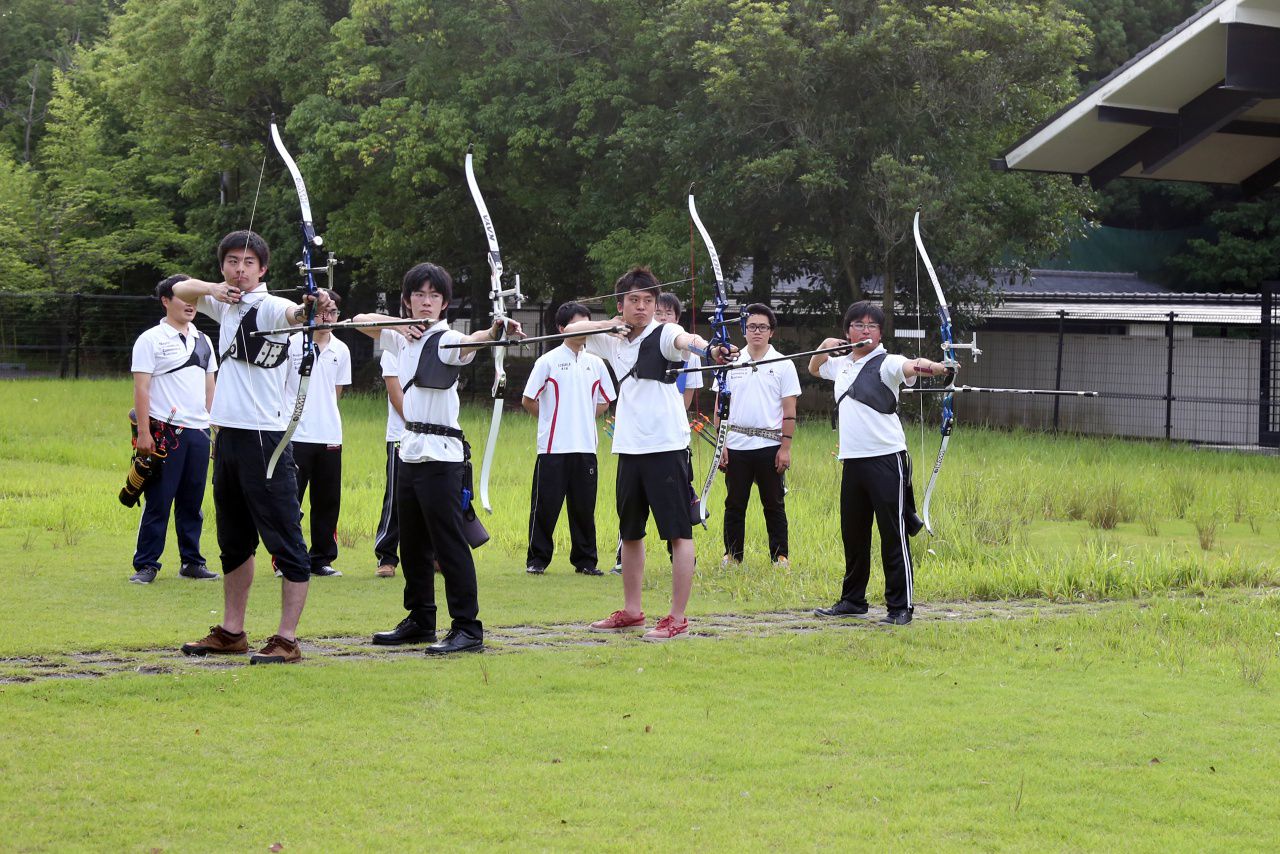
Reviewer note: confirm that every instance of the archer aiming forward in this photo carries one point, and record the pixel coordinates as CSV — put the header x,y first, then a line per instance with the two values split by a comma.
x,y
435,465
250,415
651,439
876,476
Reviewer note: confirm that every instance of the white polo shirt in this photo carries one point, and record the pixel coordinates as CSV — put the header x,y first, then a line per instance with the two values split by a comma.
x,y
651,416
567,386
321,422
390,342
863,431
431,405
756,399
248,396
177,393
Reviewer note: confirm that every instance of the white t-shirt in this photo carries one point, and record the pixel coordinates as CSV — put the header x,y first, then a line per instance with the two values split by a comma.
x,y
431,405
651,416
390,342
248,396
756,399
863,431
321,423
567,386
177,396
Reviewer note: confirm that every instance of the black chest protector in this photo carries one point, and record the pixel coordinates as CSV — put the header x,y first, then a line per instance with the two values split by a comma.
x,y
650,363
255,349
870,390
199,357
431,372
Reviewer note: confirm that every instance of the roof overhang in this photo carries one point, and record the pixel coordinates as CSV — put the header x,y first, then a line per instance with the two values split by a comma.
x,y
1201,104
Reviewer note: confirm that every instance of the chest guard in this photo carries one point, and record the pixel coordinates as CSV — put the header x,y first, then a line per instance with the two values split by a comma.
x,y
255,350
199,357
431,372
869,390
650,363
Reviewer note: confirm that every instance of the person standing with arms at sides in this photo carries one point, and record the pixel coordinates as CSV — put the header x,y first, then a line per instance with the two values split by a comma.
x,y
875,480
435,464
762,423
251,414
386,541
173,367
651,439
317,443
567,390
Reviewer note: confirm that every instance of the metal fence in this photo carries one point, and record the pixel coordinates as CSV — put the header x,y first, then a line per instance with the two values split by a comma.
x,y
1180,379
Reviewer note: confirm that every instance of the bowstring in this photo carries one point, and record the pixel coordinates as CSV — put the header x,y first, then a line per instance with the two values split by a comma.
x,y
920,326
240,334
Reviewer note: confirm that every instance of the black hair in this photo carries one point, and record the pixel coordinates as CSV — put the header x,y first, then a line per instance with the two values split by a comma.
x,y
567,312
635,279
432,275
859,310
671,303
761,308
249,240
164,290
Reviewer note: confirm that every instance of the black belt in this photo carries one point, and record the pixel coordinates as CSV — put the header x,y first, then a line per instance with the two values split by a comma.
x,y
433,429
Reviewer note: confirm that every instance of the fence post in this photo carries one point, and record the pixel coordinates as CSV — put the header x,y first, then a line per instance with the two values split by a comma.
x,y
75,312
1168,383
1057,381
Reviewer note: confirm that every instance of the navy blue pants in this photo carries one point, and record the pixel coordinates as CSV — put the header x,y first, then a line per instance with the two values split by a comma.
x,y
180,486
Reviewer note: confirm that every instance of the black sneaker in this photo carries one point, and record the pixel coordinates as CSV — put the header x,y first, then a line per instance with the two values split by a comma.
x,y
534,569
897,618
587,570
325,572
198,571
842,609
144,575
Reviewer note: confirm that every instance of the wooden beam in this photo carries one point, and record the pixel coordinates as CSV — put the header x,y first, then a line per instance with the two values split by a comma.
x,y
1247,127
1134,116
1199,119
1262,180
1253,59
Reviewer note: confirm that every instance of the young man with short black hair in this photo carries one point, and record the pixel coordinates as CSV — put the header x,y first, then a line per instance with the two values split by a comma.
x,y
651,440
173,368
876,476
762,423
435,464
250,413
566,391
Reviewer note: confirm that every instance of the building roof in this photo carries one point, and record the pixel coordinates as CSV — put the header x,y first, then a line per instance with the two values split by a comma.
x,y
1201,104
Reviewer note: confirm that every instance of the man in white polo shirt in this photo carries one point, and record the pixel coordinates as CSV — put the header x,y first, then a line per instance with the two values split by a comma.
x,y
317,443
875,480
173,367
762,423
651,439
567,390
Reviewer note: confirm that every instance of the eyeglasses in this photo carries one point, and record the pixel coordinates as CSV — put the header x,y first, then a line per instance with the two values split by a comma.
x,y
758,327
864,327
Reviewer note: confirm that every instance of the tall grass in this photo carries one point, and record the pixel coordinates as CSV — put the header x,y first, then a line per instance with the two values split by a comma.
x,y
1016,513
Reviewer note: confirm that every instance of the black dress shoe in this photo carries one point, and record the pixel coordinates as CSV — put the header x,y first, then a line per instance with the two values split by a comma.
x,y
842,609
456,641
588,570
897,618
913,523
407,632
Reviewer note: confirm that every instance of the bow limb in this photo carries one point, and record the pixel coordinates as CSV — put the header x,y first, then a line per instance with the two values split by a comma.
x,y
310,240
948,350
498,301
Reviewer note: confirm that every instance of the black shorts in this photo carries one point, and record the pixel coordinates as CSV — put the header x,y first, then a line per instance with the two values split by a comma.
x,y
250,506
657,482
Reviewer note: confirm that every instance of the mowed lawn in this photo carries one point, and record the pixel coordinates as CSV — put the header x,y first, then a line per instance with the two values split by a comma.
x,y
1148,721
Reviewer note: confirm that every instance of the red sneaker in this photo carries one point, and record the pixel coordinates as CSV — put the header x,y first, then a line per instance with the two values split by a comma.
x,y
619,621
668,629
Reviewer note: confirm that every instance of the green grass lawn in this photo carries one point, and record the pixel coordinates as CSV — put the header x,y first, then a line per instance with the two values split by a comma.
x,y
997,733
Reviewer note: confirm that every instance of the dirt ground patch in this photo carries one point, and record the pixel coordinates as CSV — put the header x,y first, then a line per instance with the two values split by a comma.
x,y
510,639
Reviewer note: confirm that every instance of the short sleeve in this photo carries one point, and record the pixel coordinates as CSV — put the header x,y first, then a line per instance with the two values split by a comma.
x,y
344,367
670,332
790,385
144,356
606,392
891,371
831,368
537,379
453,356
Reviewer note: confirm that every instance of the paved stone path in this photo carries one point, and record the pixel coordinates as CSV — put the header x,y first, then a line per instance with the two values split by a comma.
x,y
509,639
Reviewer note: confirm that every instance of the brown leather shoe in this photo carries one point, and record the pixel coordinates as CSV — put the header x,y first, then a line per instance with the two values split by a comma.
x,y
277,651
386,570
219,641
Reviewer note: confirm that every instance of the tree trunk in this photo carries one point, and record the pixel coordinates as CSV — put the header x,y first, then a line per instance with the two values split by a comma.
x,y
762,282
890,294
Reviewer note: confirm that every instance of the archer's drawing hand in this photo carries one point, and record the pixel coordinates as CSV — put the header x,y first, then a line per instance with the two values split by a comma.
x,y
828,343
411,333
224,292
